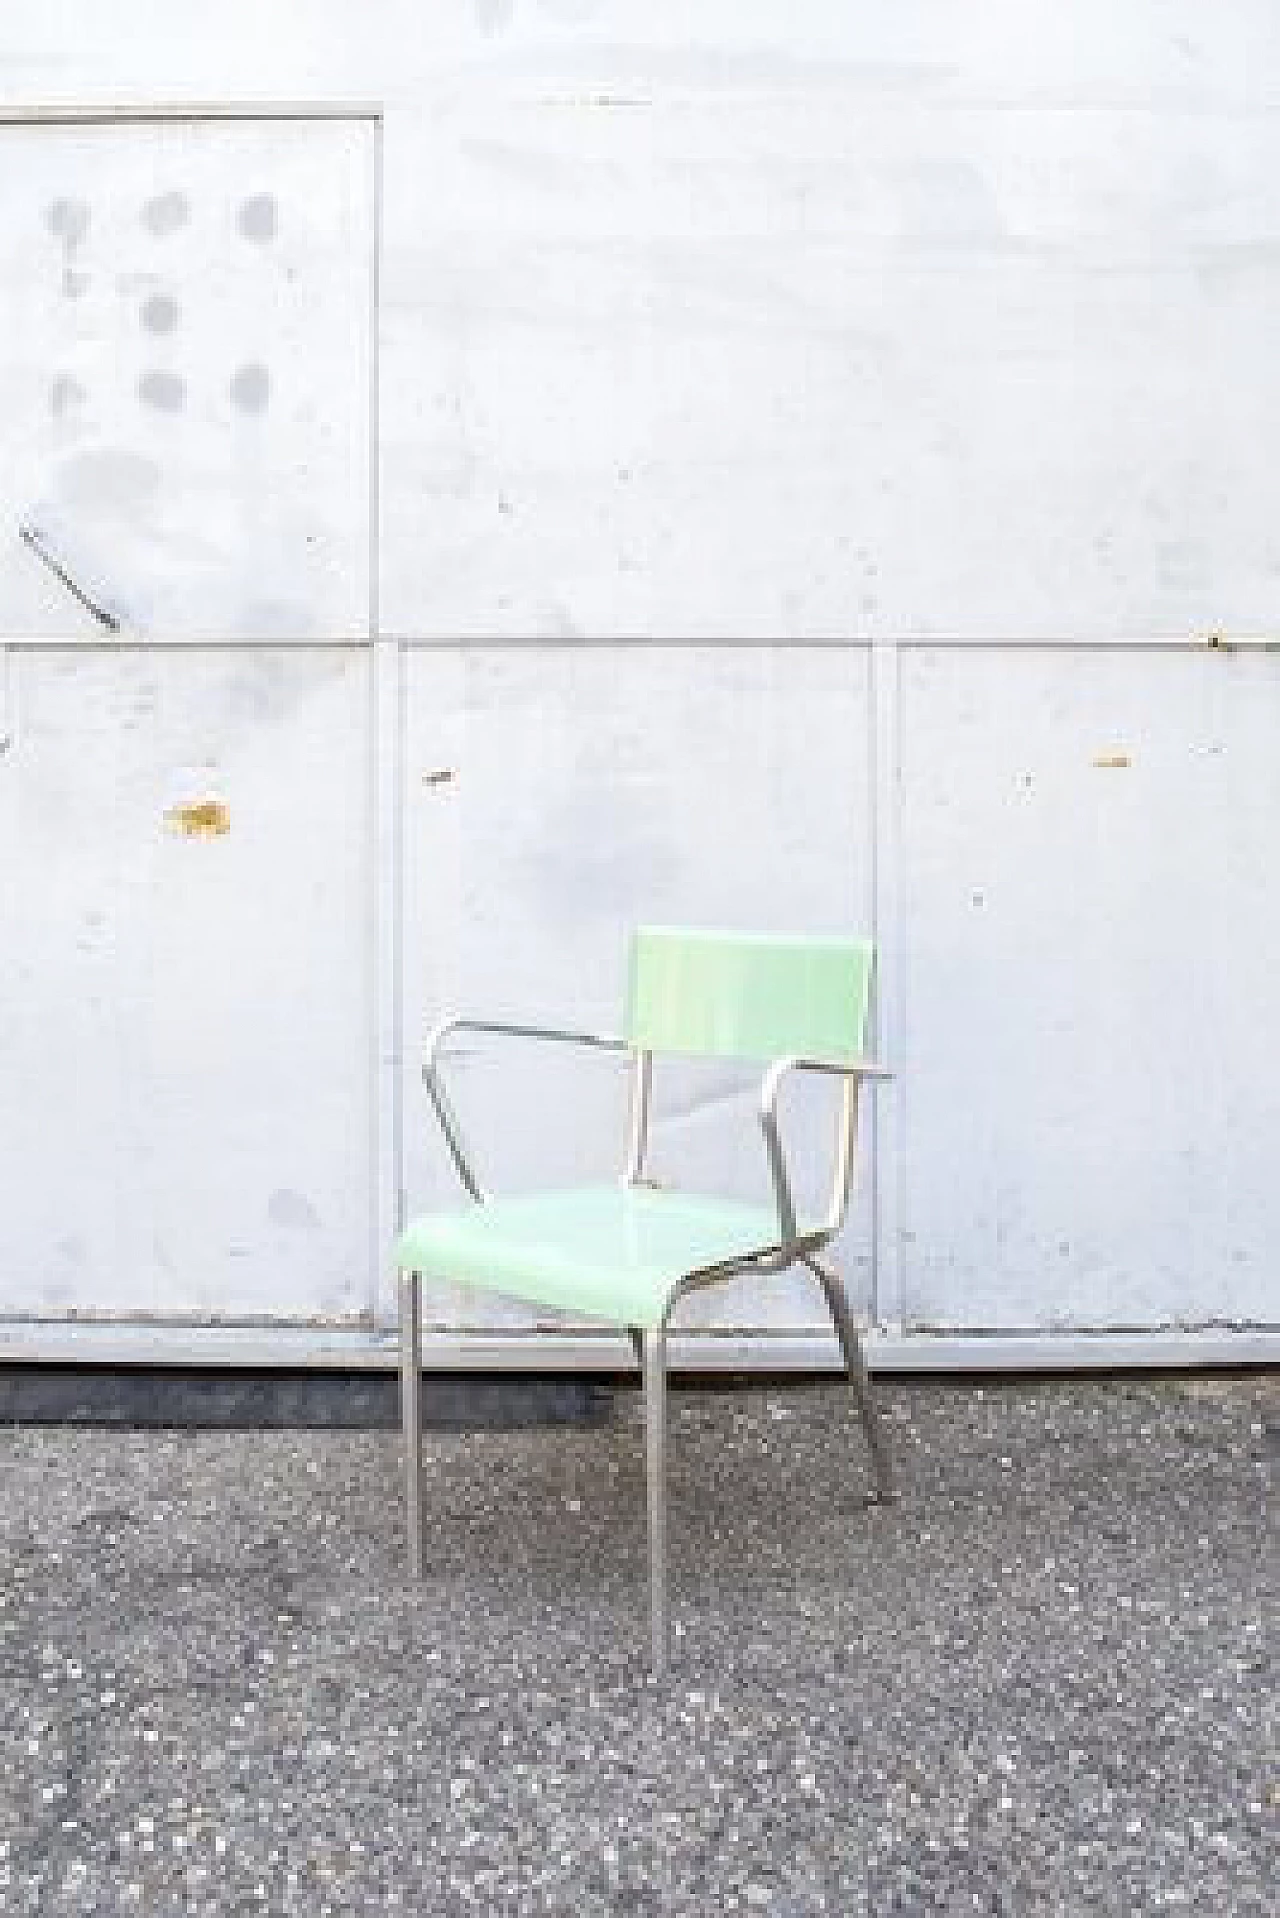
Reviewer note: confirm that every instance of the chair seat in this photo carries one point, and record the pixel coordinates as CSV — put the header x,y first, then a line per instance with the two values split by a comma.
x,y
613,1252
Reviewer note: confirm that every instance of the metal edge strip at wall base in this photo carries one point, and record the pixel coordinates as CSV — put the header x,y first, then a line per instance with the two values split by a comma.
x,y
768,1354
123,641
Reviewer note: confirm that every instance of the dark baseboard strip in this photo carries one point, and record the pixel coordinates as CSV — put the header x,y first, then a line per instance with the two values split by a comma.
x,y
220,1400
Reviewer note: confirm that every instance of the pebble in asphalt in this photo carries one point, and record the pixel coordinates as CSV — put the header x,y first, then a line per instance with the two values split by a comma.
x,y
1042,1682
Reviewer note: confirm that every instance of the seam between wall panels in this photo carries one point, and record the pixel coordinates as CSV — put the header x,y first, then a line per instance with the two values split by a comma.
x,y
386,732
99,642
886,912
143,113
376,197
386,729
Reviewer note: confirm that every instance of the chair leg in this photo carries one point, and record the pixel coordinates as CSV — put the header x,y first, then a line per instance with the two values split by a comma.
x,y
859,1378
411,1410
655,1426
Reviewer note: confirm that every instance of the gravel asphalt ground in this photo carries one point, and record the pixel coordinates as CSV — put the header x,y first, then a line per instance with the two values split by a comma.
x,y
1042,1682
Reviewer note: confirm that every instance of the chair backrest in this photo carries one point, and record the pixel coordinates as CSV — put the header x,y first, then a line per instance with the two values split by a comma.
x,y
748,995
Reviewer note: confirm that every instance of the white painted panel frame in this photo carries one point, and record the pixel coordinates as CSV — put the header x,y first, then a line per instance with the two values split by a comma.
x,y
347,1349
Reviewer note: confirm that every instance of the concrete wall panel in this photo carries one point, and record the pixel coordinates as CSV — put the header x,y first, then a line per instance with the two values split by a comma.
x,y
184,1039
553,800
186,378
1091,1122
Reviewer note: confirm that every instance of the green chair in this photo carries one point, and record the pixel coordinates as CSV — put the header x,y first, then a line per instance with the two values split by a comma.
x,y
626,1253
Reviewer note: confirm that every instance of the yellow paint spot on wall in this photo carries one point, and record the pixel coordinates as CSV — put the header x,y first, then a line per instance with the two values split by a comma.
x,y
200,818
1112,762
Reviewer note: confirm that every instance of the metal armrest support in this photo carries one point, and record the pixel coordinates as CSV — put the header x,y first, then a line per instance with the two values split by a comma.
x,y
853,1072
444,1110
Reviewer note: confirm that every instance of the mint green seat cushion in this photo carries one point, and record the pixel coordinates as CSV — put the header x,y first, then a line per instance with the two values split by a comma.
x,y
611,1252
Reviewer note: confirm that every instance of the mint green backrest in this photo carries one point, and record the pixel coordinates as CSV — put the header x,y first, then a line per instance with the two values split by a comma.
x,y
748,995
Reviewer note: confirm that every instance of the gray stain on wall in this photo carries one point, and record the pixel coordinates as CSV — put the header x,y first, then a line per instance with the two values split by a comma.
x,y
165,391
166,213
68,221
160,313
251,387
65,393
257,218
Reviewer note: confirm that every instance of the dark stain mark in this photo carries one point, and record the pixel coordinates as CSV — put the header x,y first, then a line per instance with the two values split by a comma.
x,y
442,776
160,313
251,388
257,218
163,390
65,393
68,221
165,214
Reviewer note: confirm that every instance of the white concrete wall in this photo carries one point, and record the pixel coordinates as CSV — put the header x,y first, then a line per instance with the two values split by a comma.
x,y
783,466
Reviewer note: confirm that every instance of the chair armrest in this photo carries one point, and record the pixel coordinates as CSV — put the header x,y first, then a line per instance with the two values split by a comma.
x,y
853,1071
503,1028
497,1028
837,1068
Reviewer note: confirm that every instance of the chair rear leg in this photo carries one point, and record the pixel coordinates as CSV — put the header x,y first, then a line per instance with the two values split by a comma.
x,y
655,1428
411,1410
859,1378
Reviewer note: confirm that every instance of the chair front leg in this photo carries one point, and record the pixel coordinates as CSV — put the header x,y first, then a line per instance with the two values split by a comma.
x,y
859,1378
411,1410
655,1426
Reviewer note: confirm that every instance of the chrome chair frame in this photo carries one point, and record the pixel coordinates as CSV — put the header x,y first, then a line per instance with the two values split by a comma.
x,y
793,1247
